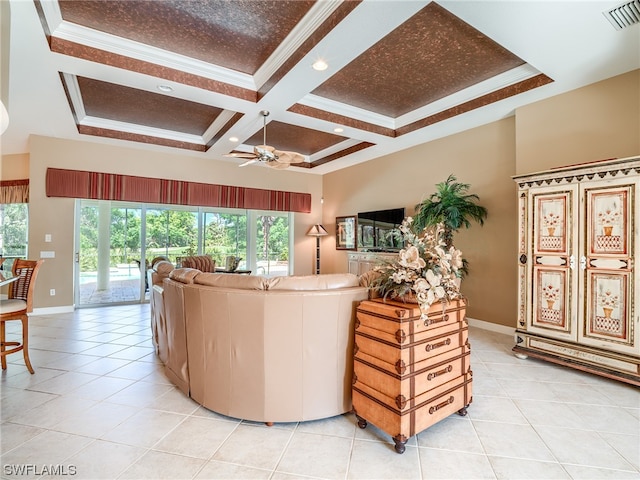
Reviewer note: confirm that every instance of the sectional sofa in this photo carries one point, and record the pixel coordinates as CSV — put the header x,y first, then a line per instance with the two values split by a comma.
x,y
263,349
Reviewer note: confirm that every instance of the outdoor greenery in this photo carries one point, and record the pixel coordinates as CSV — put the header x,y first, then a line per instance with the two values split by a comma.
x,y
13,230
174,233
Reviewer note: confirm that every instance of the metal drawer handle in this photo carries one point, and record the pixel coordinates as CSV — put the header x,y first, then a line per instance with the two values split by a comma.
x,y
440,405
432,346
433,375
429,321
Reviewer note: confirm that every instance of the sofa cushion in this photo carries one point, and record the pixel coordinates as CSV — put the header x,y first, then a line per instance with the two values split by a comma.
x,y
228,280
163,268
204,263
184,275
314,282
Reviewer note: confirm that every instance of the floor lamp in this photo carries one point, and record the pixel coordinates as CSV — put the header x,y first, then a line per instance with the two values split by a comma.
x,y
317,231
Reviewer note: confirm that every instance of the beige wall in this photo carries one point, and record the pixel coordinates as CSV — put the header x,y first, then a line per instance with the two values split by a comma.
x,y
591,123
14,167
595,122
55,216
482,157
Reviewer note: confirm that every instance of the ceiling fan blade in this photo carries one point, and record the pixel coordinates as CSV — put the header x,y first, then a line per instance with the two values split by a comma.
x,y
277,165
289,157
249,162
240,155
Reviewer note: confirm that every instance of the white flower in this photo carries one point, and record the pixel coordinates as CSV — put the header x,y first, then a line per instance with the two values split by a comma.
x,y
411,258
423,267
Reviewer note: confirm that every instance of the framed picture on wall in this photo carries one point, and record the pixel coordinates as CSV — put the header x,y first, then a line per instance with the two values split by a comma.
x,y
346,233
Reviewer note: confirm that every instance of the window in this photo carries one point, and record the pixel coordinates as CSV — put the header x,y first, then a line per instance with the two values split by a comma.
x,y
14,228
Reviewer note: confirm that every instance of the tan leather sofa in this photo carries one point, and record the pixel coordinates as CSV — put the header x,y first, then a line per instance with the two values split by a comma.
x,y
268,350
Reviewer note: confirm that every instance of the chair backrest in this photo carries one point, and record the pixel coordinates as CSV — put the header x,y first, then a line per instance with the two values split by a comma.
x,y
22,289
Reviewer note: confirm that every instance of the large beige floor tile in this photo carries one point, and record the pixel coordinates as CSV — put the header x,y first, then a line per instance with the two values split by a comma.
x,y
581,447
96,421
440,464
518,468
13,435
254,446
104,460
314,455
196,437
160,465
215,470
53,412
452,433
47,448
511,440
376,460
145,428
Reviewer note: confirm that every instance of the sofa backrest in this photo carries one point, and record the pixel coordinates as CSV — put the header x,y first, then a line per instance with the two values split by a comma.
x,y
314,282
204,263
226,280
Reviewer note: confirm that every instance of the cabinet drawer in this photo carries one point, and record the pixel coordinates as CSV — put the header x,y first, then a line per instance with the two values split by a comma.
x,y
405,382
387,350
419,413
399,321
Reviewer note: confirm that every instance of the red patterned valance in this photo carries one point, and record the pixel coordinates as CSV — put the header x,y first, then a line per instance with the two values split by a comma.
x,y
110,186
14,191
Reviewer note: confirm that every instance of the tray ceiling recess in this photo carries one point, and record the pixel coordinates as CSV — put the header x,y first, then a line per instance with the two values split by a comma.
x,y
196,75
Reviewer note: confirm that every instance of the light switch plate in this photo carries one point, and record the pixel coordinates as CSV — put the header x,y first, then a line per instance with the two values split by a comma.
x,y
47,254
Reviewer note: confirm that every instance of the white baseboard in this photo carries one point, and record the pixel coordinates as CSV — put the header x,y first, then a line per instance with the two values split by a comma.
x,y
493,327
53,310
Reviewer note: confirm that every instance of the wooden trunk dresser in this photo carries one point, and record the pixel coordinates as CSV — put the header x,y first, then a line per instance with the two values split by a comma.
x,y
410,372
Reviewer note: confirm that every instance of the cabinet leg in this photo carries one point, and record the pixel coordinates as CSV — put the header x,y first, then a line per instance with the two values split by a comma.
x,y
521,356
400,441
463,411
362,423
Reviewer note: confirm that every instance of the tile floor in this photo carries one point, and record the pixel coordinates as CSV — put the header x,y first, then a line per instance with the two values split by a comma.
x,y
99,406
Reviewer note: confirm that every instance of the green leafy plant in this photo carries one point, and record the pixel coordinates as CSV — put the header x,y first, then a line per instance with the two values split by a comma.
x,y
452,206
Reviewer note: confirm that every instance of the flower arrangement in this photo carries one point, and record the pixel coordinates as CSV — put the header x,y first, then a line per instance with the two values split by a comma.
x,y
551,220
606,298
609,216
424,268
549,292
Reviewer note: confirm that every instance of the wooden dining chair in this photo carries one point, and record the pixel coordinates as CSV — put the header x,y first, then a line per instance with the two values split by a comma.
x,y
18,304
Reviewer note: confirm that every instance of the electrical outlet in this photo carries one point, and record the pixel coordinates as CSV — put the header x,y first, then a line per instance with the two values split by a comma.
x,y
52,292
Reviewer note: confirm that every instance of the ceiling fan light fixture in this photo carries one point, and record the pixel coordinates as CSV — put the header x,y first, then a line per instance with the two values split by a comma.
x,y
320,65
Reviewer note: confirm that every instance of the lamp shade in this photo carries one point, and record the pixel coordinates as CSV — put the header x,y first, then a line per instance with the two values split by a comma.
x,y
317,231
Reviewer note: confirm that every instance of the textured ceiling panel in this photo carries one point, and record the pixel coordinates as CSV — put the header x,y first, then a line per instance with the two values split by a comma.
x,y
125,104
238,34
303,140
432,55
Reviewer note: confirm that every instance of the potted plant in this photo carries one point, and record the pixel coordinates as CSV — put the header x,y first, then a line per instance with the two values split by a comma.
x,y
452,206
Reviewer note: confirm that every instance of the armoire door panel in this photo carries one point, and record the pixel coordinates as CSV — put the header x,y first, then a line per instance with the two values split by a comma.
x,y
608,222
552,300
552,311
608,319
552,216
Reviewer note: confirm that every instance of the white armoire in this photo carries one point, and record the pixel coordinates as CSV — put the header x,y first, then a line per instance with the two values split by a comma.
x,y
577,270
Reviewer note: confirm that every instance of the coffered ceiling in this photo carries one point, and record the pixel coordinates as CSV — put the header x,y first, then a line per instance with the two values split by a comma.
x,y
195,75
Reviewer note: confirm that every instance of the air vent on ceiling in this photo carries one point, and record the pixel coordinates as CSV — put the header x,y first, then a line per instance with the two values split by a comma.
x,y
624,15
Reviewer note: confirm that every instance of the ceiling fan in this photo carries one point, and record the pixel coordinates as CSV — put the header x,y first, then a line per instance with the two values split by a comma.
x,y
267,154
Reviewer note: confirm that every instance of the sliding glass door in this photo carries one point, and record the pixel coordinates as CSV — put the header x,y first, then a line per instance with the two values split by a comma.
x,y
109,257
117,241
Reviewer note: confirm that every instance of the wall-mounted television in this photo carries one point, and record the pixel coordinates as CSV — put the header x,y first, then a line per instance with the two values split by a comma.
x,y
375,230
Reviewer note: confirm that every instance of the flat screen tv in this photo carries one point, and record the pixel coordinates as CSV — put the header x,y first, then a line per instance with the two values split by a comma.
x,y
375,230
